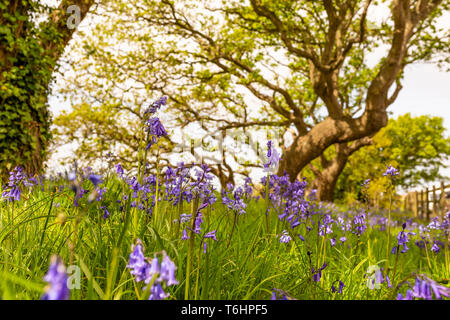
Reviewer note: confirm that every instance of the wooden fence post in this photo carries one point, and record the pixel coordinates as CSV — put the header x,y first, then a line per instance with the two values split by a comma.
x,y
442,201
421,204
427,204
416,205
434,201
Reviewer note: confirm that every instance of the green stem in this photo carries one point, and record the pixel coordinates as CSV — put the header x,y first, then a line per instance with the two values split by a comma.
x,y
267,204
198,272
388,228
232,229
157,191
190,249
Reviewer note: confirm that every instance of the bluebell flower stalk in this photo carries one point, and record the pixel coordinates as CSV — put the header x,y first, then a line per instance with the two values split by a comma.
x,y
391,171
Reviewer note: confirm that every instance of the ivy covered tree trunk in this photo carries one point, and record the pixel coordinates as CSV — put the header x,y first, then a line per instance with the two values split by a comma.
x,y
28,56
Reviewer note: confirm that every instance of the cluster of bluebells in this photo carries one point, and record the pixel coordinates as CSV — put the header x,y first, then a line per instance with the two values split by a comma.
x,y
288,198
235,202
178,185
152,272
248,188
285,237
184,184
17,180
56,278
425,288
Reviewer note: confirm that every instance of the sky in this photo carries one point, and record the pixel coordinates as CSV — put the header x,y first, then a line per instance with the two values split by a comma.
x,y
426,91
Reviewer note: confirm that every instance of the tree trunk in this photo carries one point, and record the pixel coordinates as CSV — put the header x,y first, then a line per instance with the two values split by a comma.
x,y
223,177
308,147
25,75
326,179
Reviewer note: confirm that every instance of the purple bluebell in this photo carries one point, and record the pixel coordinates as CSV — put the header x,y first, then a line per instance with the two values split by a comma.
x,y
285,237
167,273
137,262
425,288
318,274
156,128
95,179
333,242
435,248
272,156
119,170
57,278
391,171
105,212
185,235
157,292
156,105
278,293
211,235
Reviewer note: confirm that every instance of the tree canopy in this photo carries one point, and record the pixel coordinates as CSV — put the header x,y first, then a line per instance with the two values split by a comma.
x,y
417,146
305,67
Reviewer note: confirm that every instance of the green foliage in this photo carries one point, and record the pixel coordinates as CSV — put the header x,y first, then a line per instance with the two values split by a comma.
x,y
417,146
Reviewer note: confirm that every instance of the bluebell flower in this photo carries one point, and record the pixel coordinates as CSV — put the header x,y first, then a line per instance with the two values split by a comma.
x,y
153,273
333,242
167,273
156,128
435,248
156,105
185,235
278,293
119,170
341,286
390,171
72,176
105,212
285,237
137,262
157,292
425,288
95,179
211,234
318,274
408,296
272,156
57,280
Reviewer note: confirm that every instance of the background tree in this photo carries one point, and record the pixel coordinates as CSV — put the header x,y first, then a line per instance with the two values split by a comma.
x,y
29,51
304,64
417,146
